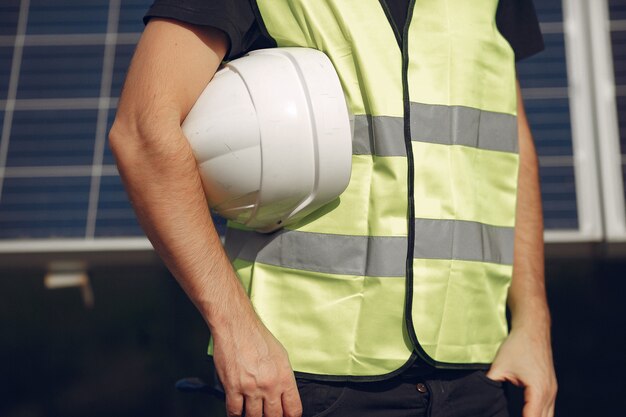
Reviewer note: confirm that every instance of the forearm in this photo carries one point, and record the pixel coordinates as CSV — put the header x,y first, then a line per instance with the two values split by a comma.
x,y
170,68
165,189
527,295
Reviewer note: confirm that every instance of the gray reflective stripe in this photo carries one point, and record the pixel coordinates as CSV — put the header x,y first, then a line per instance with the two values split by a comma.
x,y
332,254
446,125
378,135
373,256
458,125
457,239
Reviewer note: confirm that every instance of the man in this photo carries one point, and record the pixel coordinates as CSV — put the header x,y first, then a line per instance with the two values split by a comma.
x,y
394,296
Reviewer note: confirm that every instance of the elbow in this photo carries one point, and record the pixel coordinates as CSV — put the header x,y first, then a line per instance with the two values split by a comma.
x,y
116,138
140,137
126,138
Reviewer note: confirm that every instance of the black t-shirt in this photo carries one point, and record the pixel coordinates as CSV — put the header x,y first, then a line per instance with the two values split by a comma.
x,y
516,20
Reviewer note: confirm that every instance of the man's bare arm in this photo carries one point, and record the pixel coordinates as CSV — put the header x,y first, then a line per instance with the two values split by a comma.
x,y
171,66
525,358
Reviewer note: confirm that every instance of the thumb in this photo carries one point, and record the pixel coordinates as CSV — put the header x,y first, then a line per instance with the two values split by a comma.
x,y
496,374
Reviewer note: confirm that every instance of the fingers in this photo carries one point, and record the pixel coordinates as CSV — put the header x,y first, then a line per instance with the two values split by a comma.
x,y
254,406
495,375
286,405
272,407
256,377
292,405
234,405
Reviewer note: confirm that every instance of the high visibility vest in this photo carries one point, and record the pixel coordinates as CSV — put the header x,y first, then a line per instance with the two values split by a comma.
x,y
415,258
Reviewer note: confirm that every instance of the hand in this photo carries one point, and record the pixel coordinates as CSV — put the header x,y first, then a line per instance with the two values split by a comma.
x,y
255,371
525,359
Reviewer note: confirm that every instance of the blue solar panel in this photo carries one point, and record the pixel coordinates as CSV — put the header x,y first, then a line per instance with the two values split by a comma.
x,y
544,82
618,9
617,13
9,10
547,69
621,117
67,16
131,14
115,214
618,40
6,56
549,10
49,178
558,188
550,121
41,207
60,71
52,138
123,55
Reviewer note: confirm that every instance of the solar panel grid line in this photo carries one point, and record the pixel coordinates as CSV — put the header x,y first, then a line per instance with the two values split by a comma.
x,y
77,39
74,103
12,89
562,233
551,27
538,93
71,39
103,113
128,38
66,39
109,171
7,40
556,161
58,171
618,25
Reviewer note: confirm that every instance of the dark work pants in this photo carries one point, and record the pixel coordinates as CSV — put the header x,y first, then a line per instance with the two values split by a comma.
x,y
439,394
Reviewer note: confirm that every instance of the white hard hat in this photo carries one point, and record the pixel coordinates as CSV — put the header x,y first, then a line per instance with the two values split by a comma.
x,y
271,135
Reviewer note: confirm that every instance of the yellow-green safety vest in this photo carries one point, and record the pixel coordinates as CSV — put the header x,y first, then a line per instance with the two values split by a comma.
x,y
415,258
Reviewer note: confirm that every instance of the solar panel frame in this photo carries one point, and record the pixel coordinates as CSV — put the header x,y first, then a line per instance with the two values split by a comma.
x,y
607,121
568,216
579,72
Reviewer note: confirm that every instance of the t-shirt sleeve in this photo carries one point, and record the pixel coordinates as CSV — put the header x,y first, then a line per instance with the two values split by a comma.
x,y
517,22
234,17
